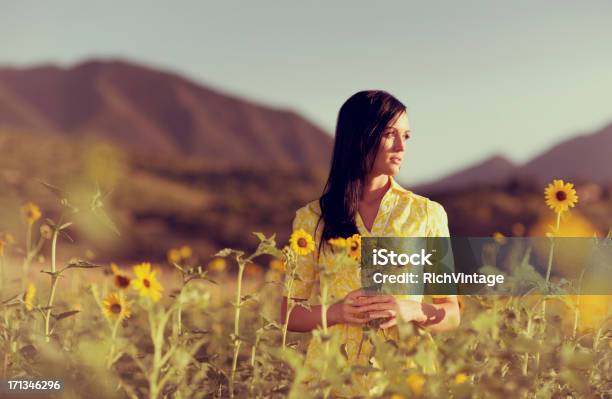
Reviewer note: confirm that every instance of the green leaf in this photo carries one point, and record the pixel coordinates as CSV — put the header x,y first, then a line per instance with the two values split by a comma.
x,y
66,235
65,315
105,220
65,226
50,273
260,235
55,190
228,251
10,299
81,264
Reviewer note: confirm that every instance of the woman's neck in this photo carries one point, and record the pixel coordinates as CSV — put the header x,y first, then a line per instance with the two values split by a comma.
x,y
375,188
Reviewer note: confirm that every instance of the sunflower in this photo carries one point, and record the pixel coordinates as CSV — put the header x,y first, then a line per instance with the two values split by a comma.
x,y
146,283
116,307
216,265
560,196
185,251
461,378
278,265
121,279
28,297
500,238
354,246
416,382
252,269
30,212
301,242
174,256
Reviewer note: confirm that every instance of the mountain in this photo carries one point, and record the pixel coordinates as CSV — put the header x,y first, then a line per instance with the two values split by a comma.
x,y
584,158
587,157
157,113
492,170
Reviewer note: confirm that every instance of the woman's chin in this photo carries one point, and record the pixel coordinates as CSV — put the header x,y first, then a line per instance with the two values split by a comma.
x,y
393,170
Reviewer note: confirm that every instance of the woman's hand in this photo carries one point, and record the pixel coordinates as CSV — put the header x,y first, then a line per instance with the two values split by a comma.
x,y
345,311
388,307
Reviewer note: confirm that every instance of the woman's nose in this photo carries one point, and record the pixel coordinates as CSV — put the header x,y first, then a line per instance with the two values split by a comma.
x,y
399,145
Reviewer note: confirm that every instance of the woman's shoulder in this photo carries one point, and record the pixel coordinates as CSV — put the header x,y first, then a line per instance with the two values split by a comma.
x,y
307,216
427,210
310,209
418,201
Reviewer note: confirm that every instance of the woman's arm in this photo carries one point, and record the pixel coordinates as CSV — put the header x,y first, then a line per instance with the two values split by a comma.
x,y
442,315
302,319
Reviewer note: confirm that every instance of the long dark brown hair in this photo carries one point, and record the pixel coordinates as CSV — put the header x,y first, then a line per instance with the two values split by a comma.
x,y
361,123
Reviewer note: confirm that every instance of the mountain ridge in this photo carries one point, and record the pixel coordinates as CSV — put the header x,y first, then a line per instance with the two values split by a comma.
x,y
581,158
157,111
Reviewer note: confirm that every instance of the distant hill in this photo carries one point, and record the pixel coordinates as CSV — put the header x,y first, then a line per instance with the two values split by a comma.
x,y
586,158
157,113
491,170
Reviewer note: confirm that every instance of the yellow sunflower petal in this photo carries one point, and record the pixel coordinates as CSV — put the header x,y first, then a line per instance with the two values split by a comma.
x,y
115,306
301,242
560,196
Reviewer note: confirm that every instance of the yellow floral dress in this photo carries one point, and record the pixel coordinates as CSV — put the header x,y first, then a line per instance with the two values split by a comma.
x,y
402,213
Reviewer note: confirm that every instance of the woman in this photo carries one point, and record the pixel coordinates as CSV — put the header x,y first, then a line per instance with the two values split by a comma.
x,y
361,197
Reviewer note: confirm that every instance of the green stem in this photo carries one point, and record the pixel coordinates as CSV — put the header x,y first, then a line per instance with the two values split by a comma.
x,y
324,305
179,312
549,267
54,278
253,353
324,289
526,355
254,369
179,318
289,308
2,275
153,388
28,256
578,300
286,323
111,353
552,247
237,342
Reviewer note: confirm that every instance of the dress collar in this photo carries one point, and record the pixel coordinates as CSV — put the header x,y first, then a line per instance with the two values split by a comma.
x,y
382,216
395,186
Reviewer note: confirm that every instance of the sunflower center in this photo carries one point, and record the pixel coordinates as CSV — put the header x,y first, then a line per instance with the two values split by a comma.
x,y
354,246
122,281
561,196
115,308
302,243
146,283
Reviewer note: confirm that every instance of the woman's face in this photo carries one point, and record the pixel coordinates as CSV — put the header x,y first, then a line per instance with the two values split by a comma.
x,y
392,145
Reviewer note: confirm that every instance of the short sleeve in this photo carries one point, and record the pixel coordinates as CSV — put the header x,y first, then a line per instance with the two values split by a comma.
x,y
302,281
437,220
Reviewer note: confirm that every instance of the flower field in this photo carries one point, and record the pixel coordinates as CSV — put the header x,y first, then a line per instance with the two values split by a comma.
x,y
209,327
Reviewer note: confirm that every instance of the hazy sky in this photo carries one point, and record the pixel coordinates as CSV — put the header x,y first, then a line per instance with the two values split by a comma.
x,y
478,77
